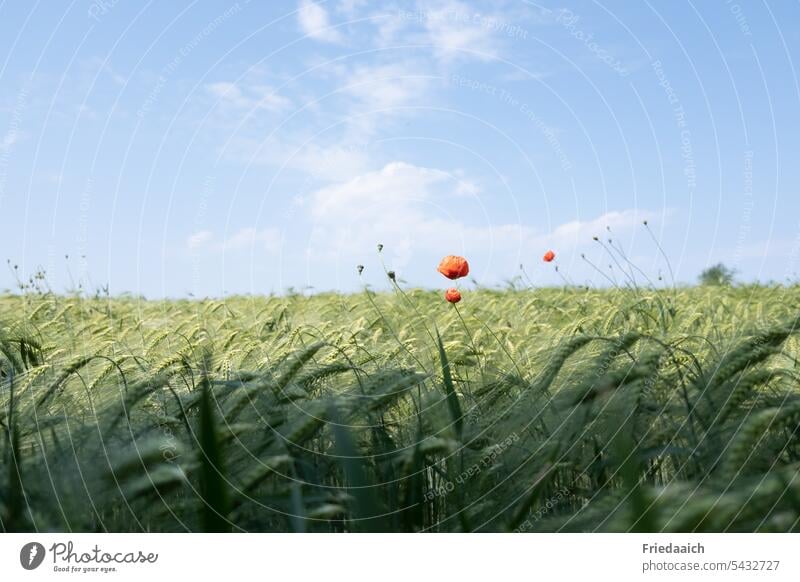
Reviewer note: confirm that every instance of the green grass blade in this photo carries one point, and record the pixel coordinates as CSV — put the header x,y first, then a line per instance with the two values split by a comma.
x,y
367,511
452,398
213,487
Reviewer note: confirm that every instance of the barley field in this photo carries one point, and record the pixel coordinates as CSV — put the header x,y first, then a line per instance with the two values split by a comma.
x,y
558,409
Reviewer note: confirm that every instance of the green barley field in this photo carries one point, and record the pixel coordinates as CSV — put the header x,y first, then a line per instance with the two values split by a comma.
x,y
516,410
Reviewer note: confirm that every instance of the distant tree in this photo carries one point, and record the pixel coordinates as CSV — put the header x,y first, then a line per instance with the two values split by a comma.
x,y
717,274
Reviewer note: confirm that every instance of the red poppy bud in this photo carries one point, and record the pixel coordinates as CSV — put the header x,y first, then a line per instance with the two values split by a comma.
x,y
452,295
549,256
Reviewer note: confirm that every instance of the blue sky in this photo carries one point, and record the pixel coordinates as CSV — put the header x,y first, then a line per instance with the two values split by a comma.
x,y
214,148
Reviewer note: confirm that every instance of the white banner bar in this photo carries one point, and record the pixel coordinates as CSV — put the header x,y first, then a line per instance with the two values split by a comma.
x,y
390,557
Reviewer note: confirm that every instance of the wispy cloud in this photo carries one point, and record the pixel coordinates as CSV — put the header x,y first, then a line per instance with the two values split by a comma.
x,y
247,97
384,86
615,220
248,238
370,98
314,22
326,162
368,95
8,140
199,239
351,7
457,31
268,239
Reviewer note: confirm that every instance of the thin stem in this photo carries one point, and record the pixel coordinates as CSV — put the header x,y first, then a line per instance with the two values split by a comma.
x,y
471,340
663,254
391,330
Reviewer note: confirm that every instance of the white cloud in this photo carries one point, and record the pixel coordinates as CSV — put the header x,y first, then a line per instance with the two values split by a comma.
x,y
314,22
325,162
247,98
269,239
402,205
393,189
224,90
330,162
421,213
458,31
454,29
616,220
247,238
386,86
199,239
8,141
351,7
370,97
376,95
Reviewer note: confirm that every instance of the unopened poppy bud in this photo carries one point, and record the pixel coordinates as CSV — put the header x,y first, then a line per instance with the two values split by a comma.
x,y
452,295
380,247
360,269
391,275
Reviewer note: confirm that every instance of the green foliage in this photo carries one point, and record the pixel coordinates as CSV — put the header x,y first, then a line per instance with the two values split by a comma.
x,y
717,275
546,410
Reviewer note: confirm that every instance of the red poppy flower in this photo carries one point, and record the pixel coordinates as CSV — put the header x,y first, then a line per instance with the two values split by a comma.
x,y
549,256
454,267
453,295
